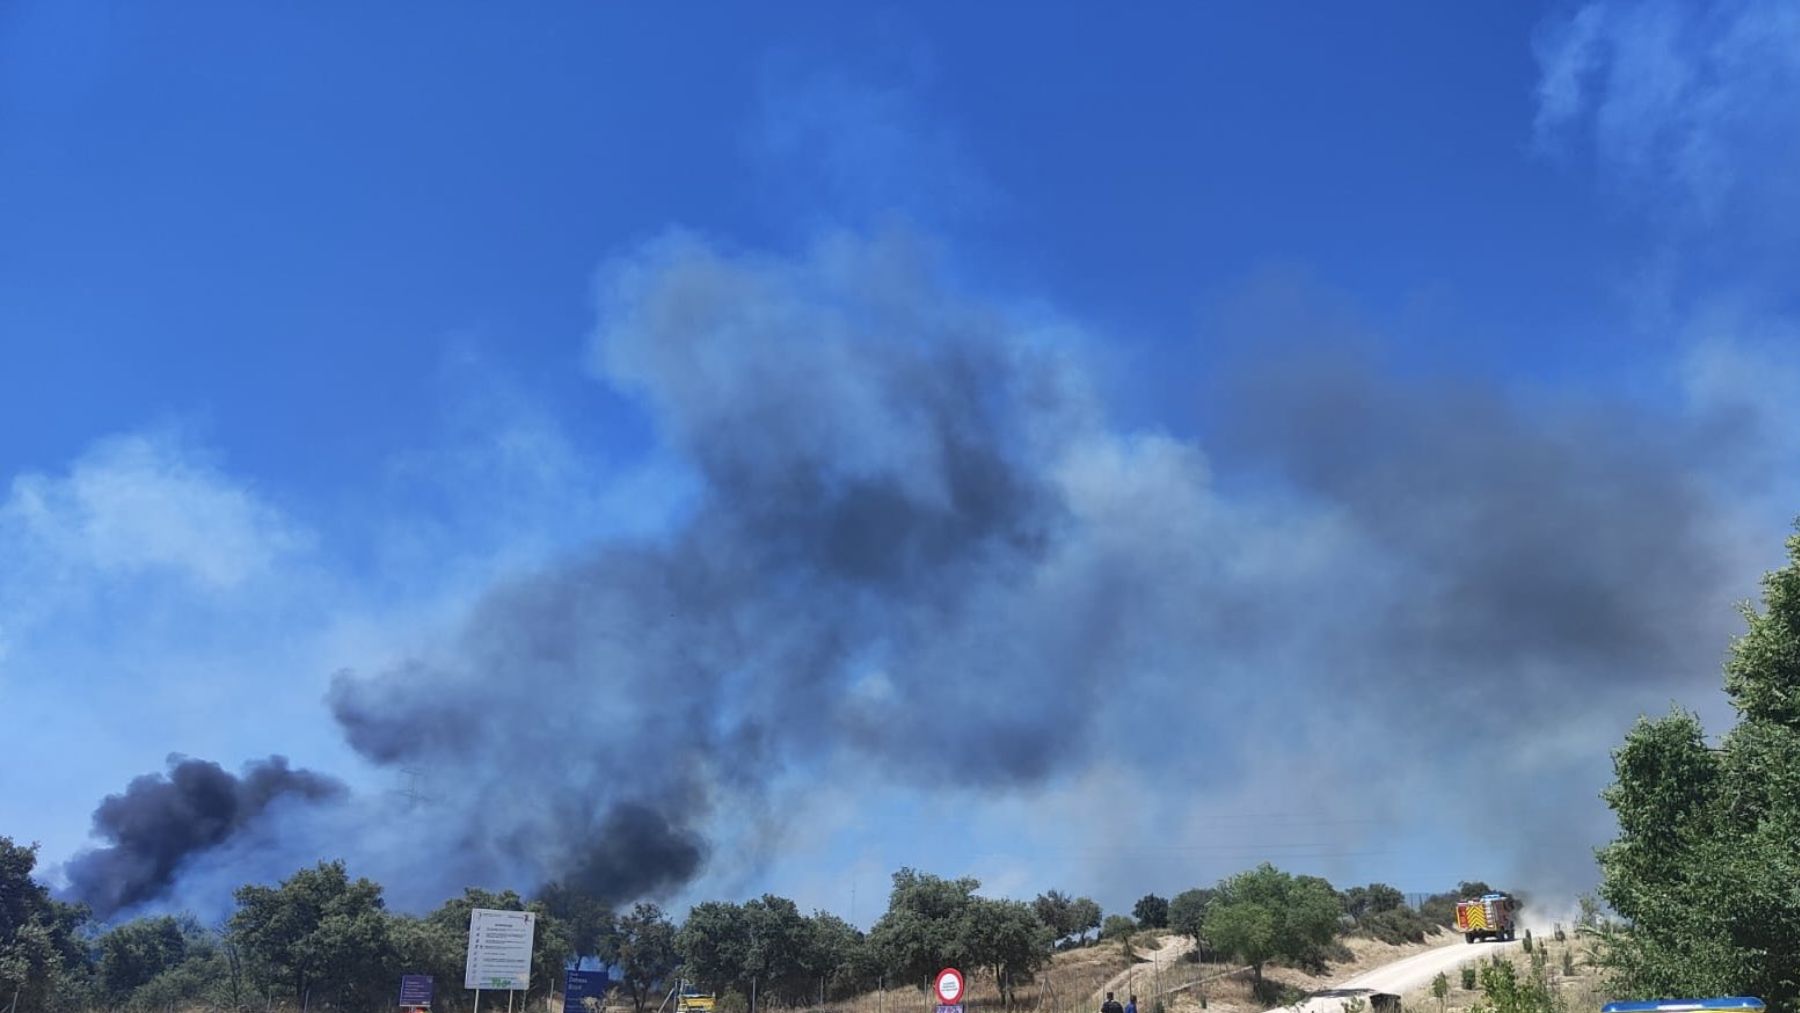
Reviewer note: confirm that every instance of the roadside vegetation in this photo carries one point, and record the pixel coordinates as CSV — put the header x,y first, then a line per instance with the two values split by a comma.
x,y
323,940
1703,874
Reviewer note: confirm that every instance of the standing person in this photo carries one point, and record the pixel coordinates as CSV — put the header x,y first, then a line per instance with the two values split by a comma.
x,y
1131,1005
1111,1005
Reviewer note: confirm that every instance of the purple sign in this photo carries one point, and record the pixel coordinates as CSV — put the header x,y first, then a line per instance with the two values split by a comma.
x,y
579,985
415,990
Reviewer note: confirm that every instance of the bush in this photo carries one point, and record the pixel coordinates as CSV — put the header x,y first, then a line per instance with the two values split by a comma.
x,y
1569,963
1561,936
1503,990
1117,927
1468,978
1527,940
1440,987
1396,926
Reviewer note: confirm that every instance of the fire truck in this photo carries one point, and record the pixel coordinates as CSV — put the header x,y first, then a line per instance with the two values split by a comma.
x,y
1489,916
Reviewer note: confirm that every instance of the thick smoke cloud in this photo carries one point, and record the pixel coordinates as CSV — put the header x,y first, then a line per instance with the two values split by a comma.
x,y
162,822
868,475
912,512
1545,547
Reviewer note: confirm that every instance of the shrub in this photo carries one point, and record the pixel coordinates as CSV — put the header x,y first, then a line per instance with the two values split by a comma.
x,y
1117,927
1569,963
1468,978
1503,990
1396,926
1561,936
1527,940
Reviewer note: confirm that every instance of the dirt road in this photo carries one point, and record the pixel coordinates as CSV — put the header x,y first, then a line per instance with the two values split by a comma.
x,y
1137,977
1399,977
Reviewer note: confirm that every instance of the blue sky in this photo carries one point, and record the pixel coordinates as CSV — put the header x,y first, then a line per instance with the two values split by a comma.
x,y
318,326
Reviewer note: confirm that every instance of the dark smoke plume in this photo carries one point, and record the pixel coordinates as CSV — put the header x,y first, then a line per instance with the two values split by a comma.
x,y
912,512
162,821
864,495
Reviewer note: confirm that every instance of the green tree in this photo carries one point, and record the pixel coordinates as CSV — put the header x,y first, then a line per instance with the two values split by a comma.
x,y
840,957
319,935
922,928
41,960
1267,914
1151,911
1762,673
1117,927
1056,910
644,951
1085,914
714,945
1242,930
203,976
778,957
1187,914
137,951
1361,901
1006,939
1708,850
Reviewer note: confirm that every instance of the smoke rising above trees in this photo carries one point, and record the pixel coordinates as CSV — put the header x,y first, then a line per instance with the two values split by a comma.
x,y
911,508
162,821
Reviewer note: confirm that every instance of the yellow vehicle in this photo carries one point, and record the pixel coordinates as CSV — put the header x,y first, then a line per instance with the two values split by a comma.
x,y
695,1002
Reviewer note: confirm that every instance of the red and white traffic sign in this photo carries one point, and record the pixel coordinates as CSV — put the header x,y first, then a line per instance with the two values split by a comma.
x,y
949,986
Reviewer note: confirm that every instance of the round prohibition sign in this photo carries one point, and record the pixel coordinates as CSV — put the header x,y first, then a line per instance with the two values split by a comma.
x,y
949,986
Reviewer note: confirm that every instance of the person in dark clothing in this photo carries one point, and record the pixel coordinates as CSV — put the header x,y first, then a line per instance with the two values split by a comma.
x,y
1111,1005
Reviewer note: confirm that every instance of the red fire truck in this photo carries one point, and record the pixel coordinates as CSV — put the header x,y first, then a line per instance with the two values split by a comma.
x,y
1489,916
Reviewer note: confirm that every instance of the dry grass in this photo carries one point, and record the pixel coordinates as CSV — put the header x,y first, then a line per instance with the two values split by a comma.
x,y
1065,985
1076,979
1234,994
1582,991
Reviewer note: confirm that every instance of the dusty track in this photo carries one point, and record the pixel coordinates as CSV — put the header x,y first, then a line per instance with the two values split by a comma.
x,y
1401,976
1132,979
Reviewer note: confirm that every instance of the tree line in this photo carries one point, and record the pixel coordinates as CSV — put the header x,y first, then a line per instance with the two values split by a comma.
x,y
322,939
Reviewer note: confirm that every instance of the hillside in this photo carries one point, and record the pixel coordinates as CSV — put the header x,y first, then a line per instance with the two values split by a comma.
x,y
1161,966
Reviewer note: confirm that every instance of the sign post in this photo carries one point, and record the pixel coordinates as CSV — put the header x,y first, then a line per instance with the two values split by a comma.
x,y
499,951
949,990
415,993
579,986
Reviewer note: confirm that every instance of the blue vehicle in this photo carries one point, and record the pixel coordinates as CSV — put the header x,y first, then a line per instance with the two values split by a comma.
x,y
1736,1003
